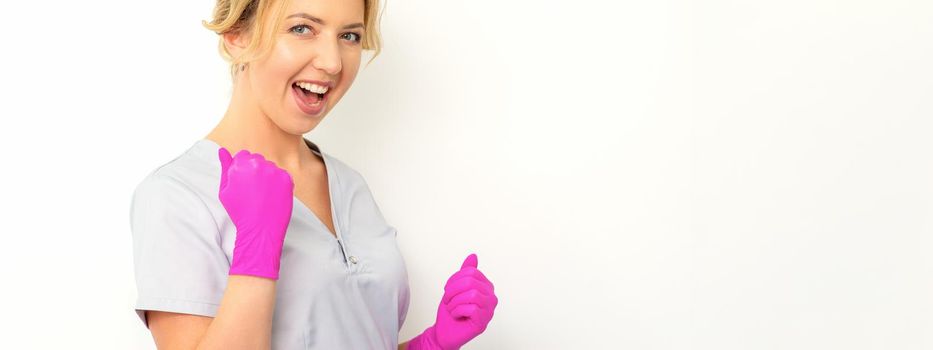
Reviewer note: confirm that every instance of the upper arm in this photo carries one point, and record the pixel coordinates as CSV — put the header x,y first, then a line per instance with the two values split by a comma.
x,y
172,330
180,265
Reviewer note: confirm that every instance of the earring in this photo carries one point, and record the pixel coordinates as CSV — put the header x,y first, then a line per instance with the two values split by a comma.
x,y
242,67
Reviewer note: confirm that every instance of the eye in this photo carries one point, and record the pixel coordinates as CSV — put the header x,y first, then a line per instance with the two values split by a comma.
x,y
354,37
305,26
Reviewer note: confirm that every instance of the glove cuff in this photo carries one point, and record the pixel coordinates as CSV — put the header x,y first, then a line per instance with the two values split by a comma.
x,y
256,257
427,340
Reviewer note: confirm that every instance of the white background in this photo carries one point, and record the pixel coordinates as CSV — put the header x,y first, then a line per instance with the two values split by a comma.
x,y
632,175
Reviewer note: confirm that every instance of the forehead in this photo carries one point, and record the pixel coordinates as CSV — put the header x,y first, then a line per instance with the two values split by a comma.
x,y
332,12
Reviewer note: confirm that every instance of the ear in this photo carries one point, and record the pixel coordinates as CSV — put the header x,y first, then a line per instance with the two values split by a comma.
x,y
235,42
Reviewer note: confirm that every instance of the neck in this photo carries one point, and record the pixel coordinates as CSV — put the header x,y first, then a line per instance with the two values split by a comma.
x,y
245,126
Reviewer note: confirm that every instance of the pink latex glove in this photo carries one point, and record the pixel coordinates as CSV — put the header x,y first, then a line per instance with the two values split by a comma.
x,y
466,308
258,197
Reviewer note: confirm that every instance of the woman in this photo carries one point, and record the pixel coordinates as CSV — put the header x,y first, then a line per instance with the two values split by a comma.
x,y
281,245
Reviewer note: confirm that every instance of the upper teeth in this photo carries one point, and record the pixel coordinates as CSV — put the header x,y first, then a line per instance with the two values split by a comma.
x,y
315,88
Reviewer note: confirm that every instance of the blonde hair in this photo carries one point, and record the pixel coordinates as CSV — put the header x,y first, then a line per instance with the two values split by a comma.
x,y
245,16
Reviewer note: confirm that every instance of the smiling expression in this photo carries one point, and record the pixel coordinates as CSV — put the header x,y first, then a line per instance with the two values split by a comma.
x,y
318,47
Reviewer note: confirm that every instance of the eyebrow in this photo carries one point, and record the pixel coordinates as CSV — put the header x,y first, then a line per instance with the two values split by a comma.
x,y
318,20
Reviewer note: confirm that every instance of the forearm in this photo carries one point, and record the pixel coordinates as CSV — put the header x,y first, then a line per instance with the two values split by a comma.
x,y
244,318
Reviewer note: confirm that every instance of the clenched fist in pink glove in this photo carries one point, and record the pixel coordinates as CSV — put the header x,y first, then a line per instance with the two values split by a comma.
x,y
464,312
258,197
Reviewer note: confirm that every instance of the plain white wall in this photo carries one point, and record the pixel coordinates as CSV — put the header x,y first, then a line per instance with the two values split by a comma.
x,y
632,175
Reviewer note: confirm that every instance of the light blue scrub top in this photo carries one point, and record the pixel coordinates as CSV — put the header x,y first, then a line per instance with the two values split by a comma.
x,y
344,292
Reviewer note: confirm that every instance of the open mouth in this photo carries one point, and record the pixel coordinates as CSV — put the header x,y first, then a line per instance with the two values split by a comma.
x,y
310,94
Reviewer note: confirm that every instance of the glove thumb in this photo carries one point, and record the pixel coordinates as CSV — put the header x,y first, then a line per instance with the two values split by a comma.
x,y
470,261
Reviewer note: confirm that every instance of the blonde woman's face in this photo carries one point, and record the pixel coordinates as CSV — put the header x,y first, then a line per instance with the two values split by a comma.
x,y
319,42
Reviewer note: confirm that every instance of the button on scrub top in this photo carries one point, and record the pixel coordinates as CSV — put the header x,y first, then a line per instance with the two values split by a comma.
x,y
345,292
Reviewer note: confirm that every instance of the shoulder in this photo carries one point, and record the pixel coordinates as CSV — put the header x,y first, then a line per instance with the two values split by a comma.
x,y
184,184
164,205
162,183
174,177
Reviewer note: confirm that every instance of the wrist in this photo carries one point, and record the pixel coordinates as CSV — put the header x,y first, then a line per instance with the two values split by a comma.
x,y
242,270
427,340
254,254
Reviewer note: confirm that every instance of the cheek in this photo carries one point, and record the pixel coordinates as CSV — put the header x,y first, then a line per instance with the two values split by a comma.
x,y
282,63
351,61
271,80
351,67
346,82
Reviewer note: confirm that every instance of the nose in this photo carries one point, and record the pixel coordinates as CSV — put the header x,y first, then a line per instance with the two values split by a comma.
x,y
328,58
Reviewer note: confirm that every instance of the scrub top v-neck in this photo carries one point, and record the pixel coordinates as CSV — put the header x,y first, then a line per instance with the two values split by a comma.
x,y
342,290
330,194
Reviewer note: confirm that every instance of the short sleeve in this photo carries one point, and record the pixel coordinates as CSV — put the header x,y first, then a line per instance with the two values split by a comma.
x,y
179,262
404,301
